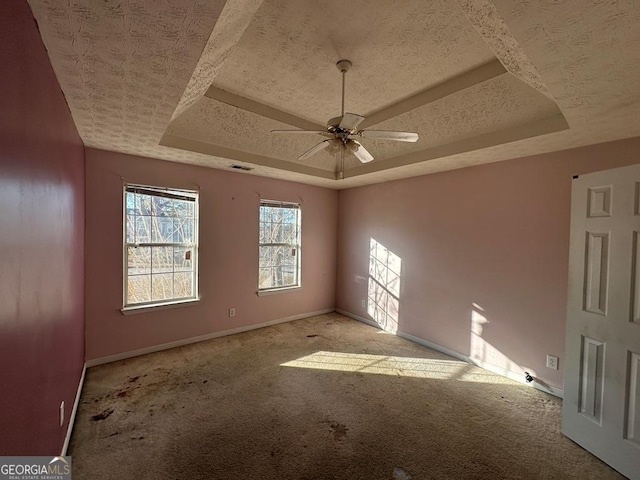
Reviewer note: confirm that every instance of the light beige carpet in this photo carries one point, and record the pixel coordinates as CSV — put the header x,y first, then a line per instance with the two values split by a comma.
x,y
317,399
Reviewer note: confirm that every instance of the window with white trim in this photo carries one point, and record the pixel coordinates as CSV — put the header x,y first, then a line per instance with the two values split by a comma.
x,y
160,246
279,245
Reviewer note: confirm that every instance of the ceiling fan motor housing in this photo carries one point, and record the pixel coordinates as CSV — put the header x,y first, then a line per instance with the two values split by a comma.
x,y
333,126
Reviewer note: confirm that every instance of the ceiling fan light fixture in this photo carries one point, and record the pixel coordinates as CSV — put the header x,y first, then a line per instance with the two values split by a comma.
x,y
334,145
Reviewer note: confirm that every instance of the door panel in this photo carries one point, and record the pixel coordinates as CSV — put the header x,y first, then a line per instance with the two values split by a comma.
x,y
592,379
633,403
601,408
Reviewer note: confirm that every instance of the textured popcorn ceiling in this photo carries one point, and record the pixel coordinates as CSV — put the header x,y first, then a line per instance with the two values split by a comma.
x,y
204,81
286,59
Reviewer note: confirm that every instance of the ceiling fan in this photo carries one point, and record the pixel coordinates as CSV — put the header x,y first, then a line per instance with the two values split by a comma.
x,y
342,131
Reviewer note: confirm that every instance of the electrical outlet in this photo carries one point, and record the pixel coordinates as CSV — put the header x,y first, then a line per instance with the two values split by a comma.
x,y
364,303
232,312
552,362
62,413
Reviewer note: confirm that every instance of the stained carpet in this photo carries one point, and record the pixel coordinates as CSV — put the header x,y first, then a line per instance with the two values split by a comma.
x,y
317,399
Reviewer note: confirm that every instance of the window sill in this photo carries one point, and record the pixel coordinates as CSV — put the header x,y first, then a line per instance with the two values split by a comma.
x,y
134,309
275,291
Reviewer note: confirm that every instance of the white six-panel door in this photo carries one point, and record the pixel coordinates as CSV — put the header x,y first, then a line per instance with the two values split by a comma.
x,y
601,409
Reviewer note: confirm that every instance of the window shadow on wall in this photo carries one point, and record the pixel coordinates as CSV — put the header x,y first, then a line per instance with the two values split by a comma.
x,y
383,289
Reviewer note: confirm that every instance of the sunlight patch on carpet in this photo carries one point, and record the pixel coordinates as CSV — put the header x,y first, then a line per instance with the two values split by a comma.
x,y
396,366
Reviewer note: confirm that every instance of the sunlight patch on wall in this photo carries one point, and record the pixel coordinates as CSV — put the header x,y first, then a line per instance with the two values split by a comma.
x,y
395,366
480,349
383,290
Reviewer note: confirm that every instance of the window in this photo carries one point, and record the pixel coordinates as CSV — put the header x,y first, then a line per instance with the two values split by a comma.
x,y
279,245
160,246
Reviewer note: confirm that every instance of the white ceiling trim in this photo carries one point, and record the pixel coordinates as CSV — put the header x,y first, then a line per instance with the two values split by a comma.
x,y
487,21
233,21
260,109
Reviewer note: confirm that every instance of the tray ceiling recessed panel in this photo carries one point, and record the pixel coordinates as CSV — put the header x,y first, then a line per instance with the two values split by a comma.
x,y
491,106
286,57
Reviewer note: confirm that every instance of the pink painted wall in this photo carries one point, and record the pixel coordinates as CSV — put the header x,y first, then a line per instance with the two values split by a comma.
x,y
496,235
228,269
41,244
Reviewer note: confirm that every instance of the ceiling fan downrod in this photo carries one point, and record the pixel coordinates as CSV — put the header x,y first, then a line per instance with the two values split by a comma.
x,y
343,66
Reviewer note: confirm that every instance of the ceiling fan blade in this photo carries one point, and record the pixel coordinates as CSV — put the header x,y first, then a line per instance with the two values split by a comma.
x,y
350,121
387,135
359,151
321,132
321,146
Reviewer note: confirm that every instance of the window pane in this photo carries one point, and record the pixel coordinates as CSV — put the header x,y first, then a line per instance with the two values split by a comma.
x,y
130,203
143,204
289,254
162,230
266,278
288,277
278,276
270,231
183,285
143,230
290,215
289,233
182,259
280,232
264,231
131,228
281,256
162,286
162,259
183,230
266,254
264,214
183,208
276,214
138,260
139,289
162,207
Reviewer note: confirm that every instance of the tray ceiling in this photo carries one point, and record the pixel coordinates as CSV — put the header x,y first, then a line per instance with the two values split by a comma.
x,y
204,82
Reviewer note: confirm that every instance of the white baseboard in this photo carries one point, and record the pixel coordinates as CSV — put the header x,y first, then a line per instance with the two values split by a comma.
x,y
435,346
518,377
187,341
74,410
368,321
